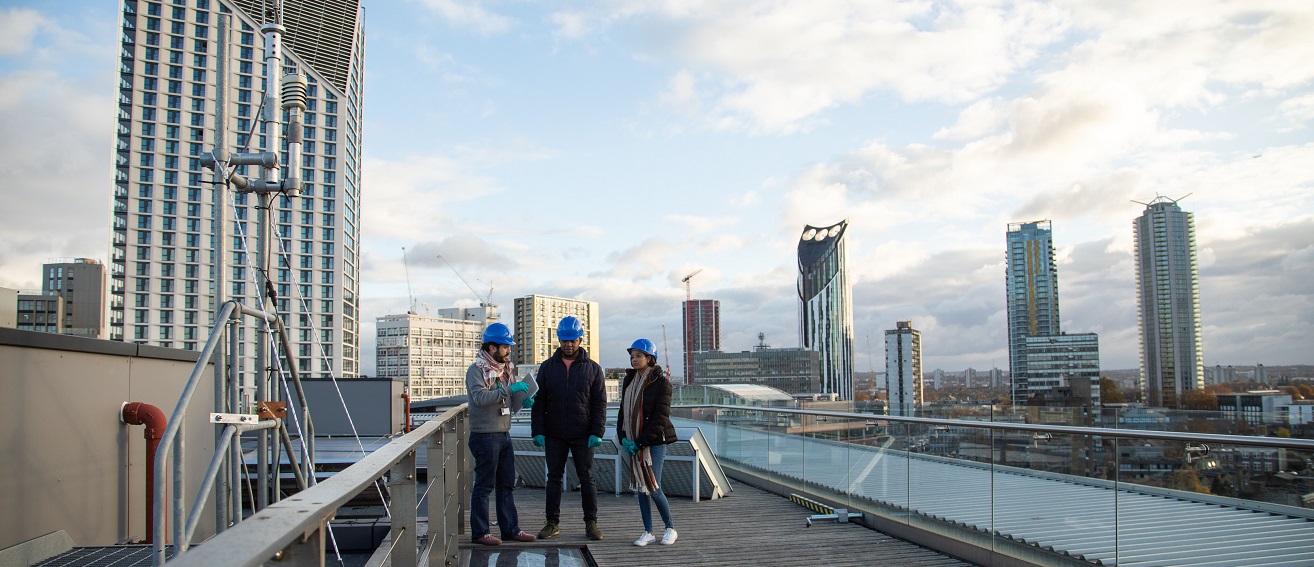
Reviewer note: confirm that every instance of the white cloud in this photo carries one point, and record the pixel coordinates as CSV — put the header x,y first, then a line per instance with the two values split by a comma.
x,y
470,14
18,27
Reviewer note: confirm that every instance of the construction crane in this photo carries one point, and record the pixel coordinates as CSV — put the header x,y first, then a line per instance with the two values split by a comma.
x,y
688,295
484,301
410,310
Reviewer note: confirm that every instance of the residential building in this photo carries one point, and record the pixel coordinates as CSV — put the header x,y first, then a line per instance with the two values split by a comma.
x,y
702,331
1031,281
996,378
40,312
1168,281
903,368
430,353
791,370
1257,406
534,322
1063,361
825,305
969,377
171,84
82,282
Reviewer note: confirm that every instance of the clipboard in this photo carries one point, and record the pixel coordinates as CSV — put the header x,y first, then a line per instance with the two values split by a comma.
x,y
518,398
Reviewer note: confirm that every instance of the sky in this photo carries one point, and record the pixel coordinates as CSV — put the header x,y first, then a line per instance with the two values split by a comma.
x,y
604,150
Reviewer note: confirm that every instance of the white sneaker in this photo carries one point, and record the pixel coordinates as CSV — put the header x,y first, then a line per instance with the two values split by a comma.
x,y
645,539
670,536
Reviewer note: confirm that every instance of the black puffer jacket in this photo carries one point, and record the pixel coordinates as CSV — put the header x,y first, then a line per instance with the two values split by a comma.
x,y
657,427
569,407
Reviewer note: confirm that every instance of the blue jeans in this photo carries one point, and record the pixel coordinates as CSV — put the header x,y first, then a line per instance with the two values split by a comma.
x,y
495,465
555,452
658,496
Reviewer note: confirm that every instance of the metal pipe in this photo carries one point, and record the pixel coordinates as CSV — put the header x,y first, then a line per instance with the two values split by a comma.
x,y
140,413
225,436
287,446
218,214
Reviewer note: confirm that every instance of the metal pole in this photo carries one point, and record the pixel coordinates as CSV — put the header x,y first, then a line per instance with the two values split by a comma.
x,y
264,440
224,488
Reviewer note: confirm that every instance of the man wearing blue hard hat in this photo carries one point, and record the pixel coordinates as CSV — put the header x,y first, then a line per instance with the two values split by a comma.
x,y
492,388
568,420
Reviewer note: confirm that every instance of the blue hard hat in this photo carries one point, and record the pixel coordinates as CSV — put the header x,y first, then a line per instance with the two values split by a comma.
x,y
644,345
500,334
570,329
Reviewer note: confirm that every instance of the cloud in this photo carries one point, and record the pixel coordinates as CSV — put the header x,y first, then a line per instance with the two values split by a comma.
x,y
18,27
469,14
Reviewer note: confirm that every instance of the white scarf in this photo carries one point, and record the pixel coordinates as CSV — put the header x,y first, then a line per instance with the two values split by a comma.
x,y
493,370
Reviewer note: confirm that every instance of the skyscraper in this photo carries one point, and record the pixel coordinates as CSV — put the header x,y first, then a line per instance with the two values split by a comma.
x,y
175,72
534,322
825,311
903,368
1168,280
702,331
1031,280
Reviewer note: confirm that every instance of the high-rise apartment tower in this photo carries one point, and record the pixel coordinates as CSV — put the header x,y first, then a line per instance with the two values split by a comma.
x,y
1168,282
534,323
825,308
702,331
1031,281
903,368
177,76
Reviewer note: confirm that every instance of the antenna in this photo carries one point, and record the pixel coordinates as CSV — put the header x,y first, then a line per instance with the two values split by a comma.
x,y
411,308
486,301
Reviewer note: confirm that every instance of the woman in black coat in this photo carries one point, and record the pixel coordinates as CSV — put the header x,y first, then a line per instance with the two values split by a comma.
x,y
644,427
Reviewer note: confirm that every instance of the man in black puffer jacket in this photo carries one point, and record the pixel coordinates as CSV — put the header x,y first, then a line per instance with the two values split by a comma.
x,y
568,418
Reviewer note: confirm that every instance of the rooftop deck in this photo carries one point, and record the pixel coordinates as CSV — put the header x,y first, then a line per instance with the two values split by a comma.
x,y
748,527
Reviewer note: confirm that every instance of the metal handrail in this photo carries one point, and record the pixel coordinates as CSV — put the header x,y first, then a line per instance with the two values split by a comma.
x,y
294,529
1274,442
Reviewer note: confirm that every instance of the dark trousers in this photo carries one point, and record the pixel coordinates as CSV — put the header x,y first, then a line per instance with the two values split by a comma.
x,y
495,466
556,452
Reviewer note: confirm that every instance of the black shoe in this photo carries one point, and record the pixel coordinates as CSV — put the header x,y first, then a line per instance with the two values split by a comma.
x,y
550,530
591,529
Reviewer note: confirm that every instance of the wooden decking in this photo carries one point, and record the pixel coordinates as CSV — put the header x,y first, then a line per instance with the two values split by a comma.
x,y
749,527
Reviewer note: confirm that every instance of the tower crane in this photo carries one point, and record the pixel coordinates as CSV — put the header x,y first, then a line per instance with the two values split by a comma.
x,y
409,294
688,295
484,301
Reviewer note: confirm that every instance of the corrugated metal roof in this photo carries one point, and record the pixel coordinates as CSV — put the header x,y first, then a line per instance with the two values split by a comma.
x,y
1100,521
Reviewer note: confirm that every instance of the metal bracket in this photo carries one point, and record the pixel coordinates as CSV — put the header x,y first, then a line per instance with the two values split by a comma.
x,y
272,410
233,418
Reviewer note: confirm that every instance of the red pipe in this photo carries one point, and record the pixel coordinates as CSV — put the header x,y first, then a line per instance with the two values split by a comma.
x,y
140,413
406,398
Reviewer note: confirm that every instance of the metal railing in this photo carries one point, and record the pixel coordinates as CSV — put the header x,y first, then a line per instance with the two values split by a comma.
x,y
294,531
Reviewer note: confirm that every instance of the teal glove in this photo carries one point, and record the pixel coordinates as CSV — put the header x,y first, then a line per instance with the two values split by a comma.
x,y
528,403
594,441
519,387
630,447
539,441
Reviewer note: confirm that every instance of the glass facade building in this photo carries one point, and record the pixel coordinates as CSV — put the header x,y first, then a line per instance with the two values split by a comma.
x,y
1168,282
825,308
1031,283
175,71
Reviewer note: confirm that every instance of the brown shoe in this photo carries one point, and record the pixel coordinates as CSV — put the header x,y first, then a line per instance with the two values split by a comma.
x,y
591,529
488,539
550,530
520,536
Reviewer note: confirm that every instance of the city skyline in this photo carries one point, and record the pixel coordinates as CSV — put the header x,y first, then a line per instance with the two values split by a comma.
x,y
623,148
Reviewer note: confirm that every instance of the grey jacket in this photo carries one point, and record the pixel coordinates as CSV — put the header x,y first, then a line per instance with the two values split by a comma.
x,y
485,404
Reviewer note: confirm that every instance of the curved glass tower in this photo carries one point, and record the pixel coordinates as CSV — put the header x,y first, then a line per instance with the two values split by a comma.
x,y
825,310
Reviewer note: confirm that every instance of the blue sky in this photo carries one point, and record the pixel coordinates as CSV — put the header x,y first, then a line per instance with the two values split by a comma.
x,y
603,150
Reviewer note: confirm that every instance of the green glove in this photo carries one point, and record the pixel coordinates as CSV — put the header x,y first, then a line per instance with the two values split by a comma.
x,y
539,441
519,387
594,441
630,447
528,403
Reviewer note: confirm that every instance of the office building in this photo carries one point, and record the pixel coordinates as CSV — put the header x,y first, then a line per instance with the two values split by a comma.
x,y
534,323
1168,284
1031,282
41,313
82,284
702,331
171,83
792,370
903,368
1056,362
431,354
825,305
